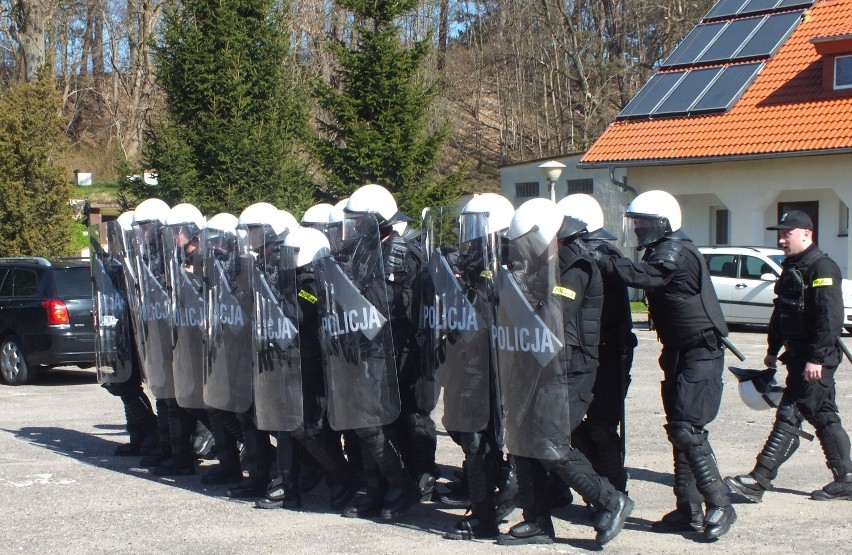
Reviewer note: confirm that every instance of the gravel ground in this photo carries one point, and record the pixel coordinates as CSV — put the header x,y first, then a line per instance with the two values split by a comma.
x,y
62,491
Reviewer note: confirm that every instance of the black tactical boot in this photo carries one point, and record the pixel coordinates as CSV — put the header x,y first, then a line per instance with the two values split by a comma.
x,y
402,495
688,517
370,504
247,487
718,521
281,493
222,474
840,488
482,523
750,487
175,467
524,533
157,455
613,526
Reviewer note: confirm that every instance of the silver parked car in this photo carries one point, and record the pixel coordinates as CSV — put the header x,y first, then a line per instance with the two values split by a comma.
x,y
744,280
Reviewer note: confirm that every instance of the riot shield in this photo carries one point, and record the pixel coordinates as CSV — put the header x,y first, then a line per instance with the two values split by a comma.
x,y
277,362
355,333
528,338
455,323
188,315
228,297
113,333
155,310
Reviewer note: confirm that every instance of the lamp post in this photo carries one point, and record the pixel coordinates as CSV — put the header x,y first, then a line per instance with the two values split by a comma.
x,y
551,170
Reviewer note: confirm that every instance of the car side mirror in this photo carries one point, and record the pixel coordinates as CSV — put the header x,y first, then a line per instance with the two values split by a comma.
x,y
768,276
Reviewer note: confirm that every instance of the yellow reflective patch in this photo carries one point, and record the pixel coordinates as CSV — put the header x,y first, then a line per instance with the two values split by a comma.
x,y
822,282
486,274
564,292
307,296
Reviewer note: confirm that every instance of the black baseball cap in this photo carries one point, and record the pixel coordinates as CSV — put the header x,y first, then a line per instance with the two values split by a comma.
x,y
794,219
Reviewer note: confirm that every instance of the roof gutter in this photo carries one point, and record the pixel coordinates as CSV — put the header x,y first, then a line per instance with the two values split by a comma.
x,y
623,184
612,164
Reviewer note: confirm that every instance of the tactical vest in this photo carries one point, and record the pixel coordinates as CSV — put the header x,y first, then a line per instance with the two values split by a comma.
x,y
681,316
791,289
616,323
584,331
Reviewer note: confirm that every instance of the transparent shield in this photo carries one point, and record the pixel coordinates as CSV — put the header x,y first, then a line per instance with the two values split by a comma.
x,y
155,310
527,339
277,359
113,328
229,308
186,272
355,333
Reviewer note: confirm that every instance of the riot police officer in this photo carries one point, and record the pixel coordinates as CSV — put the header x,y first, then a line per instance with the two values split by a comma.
x,y
117,347
689,323
460,315
564,291
391,487
598,435
807,321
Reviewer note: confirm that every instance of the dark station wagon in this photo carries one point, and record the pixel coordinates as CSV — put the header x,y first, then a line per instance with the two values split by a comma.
x,y
45,316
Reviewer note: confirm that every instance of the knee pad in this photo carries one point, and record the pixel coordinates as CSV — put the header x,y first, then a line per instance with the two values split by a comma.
x,y
789,414
685,436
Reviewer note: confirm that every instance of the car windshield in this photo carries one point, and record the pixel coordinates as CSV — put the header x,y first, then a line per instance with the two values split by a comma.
x,y
777,258
73,282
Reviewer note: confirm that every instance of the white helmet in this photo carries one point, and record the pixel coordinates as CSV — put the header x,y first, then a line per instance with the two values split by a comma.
x,y
375,199
317,214
262,213
223,222
494,210
539,219
185,213
151,210
311,243
758,388
583,207
288,220
654,215
336,214
125,220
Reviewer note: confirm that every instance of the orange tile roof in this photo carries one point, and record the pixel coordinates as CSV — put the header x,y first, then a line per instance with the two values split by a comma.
x,y
785,110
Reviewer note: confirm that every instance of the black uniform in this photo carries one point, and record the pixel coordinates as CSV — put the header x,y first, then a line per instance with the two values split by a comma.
x,y
689,322
598,435
807,321
404,276
581,294
313,440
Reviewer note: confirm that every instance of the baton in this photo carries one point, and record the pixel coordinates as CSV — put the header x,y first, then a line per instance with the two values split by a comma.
x,y
733,349
844,349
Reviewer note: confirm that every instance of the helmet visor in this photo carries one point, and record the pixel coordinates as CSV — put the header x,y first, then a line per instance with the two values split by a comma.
x,y
472,226
642,230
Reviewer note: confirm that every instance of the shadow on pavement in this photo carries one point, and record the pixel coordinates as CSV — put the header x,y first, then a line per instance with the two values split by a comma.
x,y
66,376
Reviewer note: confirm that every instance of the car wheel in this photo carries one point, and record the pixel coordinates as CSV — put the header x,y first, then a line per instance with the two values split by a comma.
x,y
13,365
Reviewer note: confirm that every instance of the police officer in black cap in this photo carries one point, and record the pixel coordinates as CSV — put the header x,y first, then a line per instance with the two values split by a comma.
x,y
689,322
807,321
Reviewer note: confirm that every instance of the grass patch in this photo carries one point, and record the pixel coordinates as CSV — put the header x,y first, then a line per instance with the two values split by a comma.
x,y
638,306
98,193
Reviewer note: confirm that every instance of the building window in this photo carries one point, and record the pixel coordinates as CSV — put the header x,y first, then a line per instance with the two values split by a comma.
x,y
843,224
720,219
843,72
526,190
585,186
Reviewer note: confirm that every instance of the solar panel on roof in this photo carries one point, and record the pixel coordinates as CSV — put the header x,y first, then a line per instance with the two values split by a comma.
x,y
770,36
730,39
654,92
795,4
754,6
727,89
725,8
694,44
687,91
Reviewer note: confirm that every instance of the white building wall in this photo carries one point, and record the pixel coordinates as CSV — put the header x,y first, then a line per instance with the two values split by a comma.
x,y
751,191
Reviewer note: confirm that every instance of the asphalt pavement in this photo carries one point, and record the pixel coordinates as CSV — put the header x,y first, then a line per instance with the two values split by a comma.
x,y
63,491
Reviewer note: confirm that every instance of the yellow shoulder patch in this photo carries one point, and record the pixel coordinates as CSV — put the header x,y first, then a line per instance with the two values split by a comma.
x,y
822,282
307,296
487,274
564,292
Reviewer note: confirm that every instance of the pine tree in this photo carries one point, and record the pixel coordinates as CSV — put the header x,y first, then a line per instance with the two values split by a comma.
x,y
35,214
236,113
376,127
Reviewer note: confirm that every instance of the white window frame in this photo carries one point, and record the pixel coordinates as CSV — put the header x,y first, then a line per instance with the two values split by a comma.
x,y
837,59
